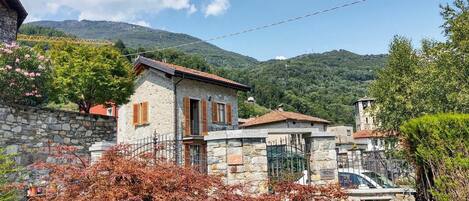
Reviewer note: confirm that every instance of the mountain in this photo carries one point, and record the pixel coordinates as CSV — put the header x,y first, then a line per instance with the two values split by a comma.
x,y
324,84
135,36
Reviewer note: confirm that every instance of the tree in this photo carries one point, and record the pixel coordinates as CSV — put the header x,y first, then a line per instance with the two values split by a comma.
x,y
430,81
7,167
24,75
90,75
439,146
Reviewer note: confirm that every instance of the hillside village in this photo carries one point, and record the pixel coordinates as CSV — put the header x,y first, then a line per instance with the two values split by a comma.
x,y
91,113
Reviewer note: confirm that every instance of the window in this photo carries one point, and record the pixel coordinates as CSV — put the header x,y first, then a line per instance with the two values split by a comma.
x,y
221,113
109,111
194,117
349,132
140,114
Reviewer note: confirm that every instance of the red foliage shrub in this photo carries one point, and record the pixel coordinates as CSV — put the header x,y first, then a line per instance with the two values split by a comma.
x,y
119,177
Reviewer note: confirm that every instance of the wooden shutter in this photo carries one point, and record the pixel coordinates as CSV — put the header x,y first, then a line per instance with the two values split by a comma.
x,y
136,115
204,117
214,112
144,111
229,114
187,117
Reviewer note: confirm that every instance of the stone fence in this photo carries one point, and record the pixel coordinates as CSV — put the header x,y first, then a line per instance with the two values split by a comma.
x,y
30,132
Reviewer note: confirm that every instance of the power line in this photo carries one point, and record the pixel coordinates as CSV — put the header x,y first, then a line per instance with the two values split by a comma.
x,y
255,28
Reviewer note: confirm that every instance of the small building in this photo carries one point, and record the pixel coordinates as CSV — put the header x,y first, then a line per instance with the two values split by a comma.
x,y
180,102
364,119
374,140
282,119
343,134
12,15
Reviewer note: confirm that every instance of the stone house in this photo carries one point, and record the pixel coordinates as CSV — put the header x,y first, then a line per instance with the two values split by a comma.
x,y
12,15
281,119
371,140
180,102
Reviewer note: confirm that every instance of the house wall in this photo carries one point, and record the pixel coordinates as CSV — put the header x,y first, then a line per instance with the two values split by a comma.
x,y
343,134
8,24
200,90
156,89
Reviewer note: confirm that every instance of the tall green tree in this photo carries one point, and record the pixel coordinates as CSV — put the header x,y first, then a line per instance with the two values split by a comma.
x,y
89,75
431,80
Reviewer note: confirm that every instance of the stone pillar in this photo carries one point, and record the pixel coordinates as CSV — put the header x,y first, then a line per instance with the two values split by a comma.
x,y
98,148
323,159
240,157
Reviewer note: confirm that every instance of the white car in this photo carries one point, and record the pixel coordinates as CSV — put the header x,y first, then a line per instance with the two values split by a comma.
x,y
363,179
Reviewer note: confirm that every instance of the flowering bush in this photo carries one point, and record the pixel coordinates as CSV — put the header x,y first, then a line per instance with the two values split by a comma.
x,y
119,177
24,75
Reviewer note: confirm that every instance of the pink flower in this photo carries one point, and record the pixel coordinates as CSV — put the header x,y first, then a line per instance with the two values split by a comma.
x,y
41,58
26,73
32,74
38,74
18,70
8,67
17,60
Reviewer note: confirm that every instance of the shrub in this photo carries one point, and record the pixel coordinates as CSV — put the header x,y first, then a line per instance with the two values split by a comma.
x,y
24,75
7,167
439,145
119,177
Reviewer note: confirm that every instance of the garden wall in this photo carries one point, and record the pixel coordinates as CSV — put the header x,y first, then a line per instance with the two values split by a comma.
x,y
31,132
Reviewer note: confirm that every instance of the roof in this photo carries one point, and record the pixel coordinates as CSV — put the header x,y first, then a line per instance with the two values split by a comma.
x,y
277,116
365,99
18,7
188,73
367,134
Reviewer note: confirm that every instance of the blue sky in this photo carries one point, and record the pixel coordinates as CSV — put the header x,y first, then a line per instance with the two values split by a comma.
x,y
365,28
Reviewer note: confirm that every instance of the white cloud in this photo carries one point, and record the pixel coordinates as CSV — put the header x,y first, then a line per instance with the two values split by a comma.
x,y
192,9
112,10
217,7
142,23
280,58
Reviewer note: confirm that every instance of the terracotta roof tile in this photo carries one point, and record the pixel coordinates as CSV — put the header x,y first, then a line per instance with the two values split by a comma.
x,y
367,134
188,71
277,116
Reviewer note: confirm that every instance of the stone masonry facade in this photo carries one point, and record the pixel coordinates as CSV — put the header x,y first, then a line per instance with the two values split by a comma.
x,y
239,160
30,131
8,24
159,91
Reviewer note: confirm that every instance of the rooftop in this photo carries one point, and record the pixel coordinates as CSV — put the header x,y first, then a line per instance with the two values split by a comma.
x,y
277,116
367,134
180,71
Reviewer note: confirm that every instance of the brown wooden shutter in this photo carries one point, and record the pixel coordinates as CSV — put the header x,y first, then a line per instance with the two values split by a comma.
x,y
187,118
214,112
144,113
204,117
136,108
229,113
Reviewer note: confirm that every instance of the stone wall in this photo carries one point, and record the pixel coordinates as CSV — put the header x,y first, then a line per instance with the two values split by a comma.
x,y
239,157
30,131
8,27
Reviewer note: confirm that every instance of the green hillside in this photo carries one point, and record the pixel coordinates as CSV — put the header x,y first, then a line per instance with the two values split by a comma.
x,y
135,36
322,84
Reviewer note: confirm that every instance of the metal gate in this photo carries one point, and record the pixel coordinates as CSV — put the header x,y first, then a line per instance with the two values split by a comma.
x,y
288,159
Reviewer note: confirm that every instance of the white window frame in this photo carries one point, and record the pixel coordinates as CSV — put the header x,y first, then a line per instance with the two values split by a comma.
x,y
219,115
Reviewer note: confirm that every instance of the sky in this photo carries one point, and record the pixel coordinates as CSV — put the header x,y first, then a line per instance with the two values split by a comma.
x,y
364,28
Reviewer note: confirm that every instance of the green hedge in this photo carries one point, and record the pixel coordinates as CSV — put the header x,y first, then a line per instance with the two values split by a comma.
x,y
439,146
